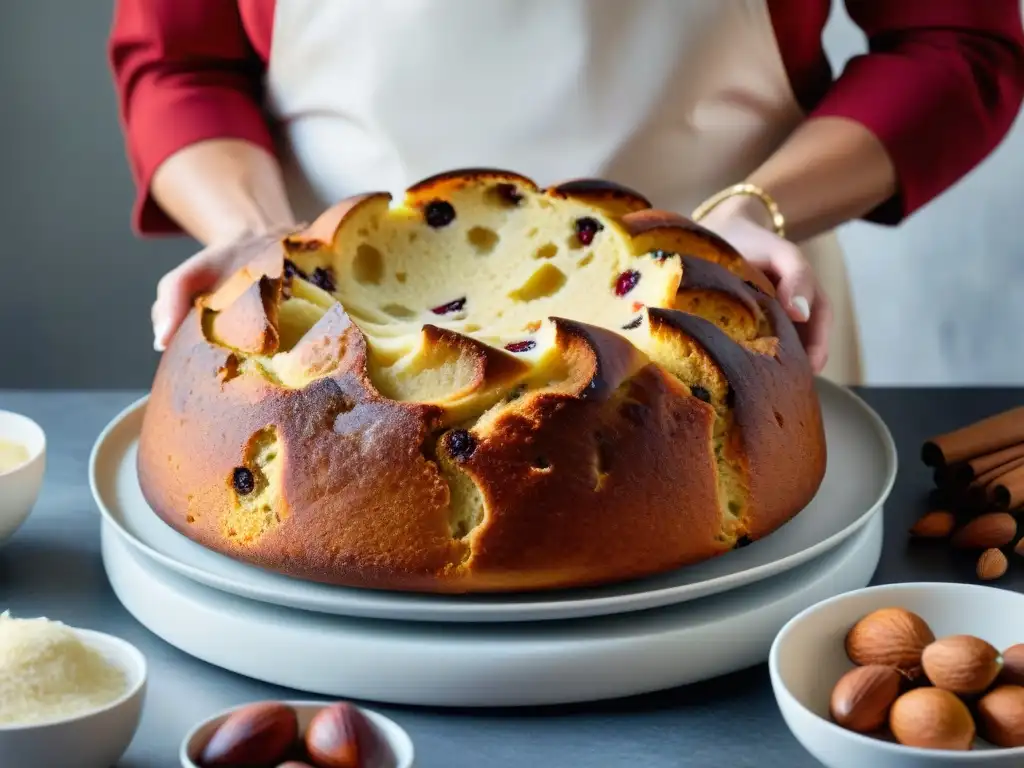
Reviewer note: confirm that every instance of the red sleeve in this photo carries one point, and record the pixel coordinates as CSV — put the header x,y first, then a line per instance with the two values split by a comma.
x,y
940,87
184,71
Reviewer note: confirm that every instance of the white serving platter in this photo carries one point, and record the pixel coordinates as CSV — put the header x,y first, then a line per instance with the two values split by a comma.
x,y
861,471
481,665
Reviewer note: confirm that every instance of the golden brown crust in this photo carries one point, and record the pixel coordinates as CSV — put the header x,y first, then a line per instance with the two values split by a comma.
x,y
609,196
594,464
663,230
249,323
320,234
784,464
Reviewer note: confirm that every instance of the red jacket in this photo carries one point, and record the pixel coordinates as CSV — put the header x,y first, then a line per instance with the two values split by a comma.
x,y
940,85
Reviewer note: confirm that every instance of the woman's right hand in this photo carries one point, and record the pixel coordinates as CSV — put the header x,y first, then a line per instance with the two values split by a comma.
x,y
201,273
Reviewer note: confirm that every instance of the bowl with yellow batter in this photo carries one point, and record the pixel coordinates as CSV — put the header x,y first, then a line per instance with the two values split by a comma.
x,y
22,464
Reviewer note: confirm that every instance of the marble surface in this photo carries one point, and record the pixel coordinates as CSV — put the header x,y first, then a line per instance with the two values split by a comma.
x,y
52,567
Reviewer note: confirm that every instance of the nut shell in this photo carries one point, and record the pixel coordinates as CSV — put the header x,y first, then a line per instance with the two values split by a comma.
x,y
962,664
891,637
258,734
863,696
932,718
1001,716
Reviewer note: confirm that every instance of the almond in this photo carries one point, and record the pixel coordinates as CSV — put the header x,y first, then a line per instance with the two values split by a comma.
x,y
932,718
937,524
861,699
1001,716
961,664
992,529
1013,665
1019,548
992,565
892,637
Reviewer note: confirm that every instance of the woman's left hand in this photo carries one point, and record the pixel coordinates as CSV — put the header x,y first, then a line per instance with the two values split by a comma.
x,y
743,222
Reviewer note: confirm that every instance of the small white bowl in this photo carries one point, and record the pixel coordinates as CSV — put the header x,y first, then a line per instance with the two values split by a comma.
x,y
391,732
96,739
20,486
808,657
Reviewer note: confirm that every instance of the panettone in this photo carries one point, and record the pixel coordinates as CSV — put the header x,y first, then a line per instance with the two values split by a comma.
x,y
489,387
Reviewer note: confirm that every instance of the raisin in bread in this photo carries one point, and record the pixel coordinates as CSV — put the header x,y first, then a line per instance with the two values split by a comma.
x,y
487,387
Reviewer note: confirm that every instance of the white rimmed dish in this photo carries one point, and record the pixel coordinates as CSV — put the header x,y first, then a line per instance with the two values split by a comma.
x,y
861,470
20,485
390,732
95,739
808,657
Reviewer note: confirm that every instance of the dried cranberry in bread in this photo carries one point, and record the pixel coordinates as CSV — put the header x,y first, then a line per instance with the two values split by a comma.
x,y
489,387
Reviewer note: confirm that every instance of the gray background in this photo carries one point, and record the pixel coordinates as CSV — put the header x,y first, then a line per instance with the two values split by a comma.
x,y
941,299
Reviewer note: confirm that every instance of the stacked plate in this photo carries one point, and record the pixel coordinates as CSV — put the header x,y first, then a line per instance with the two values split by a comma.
x,y
523,649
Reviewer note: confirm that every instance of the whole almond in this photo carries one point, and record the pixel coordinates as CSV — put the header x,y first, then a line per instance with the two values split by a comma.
x,y
1001,716
1019,547
1013,665
932,718
861,699
992,564
891,637
992,529
961,664
256,734
937,524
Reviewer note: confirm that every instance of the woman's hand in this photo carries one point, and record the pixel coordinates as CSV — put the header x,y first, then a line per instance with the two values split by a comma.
x,y
199,274
745,224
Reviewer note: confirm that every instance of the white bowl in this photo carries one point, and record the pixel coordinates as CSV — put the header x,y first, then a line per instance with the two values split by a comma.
x,y
96,739
808,657
392,733
20,486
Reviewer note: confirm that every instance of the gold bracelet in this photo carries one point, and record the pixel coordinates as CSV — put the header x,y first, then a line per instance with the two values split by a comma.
x,y
778,220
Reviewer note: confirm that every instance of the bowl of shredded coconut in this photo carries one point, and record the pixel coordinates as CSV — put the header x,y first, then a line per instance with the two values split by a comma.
x,y
69,697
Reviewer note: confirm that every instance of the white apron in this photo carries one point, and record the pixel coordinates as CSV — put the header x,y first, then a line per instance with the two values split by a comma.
x,y
675,98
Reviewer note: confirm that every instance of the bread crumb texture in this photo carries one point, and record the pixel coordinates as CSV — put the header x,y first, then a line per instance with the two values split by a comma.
x,y
486,386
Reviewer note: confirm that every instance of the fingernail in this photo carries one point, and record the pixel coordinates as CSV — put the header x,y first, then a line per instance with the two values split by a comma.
x,y
159,334
802,307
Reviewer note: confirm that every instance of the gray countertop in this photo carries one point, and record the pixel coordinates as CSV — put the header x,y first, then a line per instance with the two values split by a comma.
x,y
52,568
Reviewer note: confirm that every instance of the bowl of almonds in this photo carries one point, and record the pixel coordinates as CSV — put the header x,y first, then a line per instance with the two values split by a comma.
x,y
906,675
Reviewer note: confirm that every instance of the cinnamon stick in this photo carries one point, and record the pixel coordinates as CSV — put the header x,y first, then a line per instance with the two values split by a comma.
x,y
1008,490
979,491
988,435
964,473
994,474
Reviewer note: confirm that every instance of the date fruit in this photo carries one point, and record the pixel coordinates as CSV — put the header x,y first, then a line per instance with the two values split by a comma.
x,y
258,734
340,736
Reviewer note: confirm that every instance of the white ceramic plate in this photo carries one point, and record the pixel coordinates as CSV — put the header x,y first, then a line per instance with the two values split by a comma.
x,y
860,474
480,665
802,690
